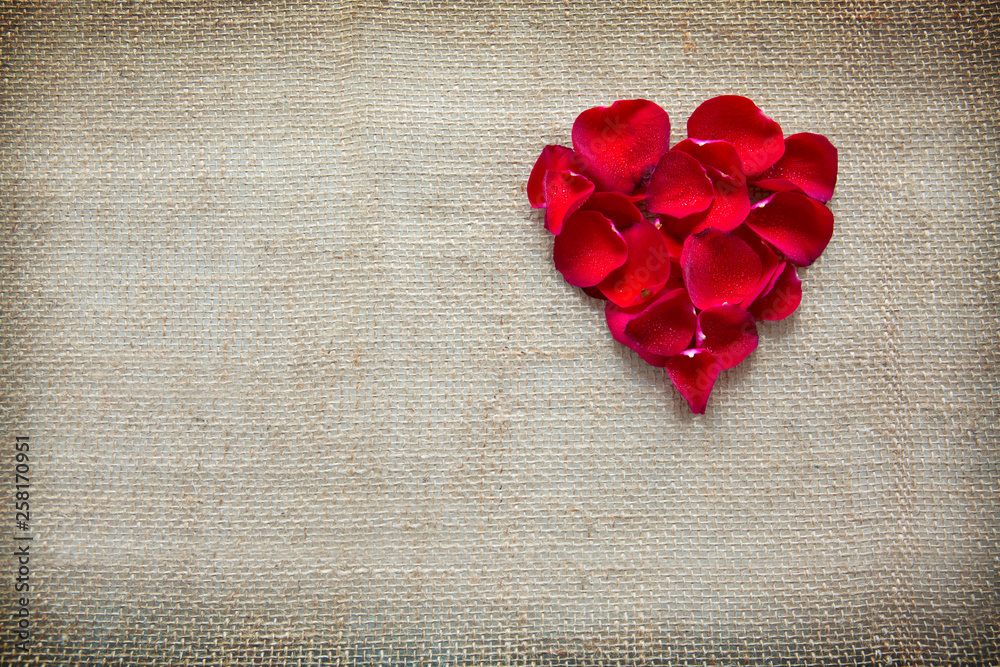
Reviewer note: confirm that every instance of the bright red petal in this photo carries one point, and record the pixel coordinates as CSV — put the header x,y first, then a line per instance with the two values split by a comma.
x,y
644,272
565,192
771,264
616,207
793,223
559,158
679,186
728,210
666,326
735,119
809,165
618,318
728,332
719,155
621,143
588,249
719,268
782,300
694,372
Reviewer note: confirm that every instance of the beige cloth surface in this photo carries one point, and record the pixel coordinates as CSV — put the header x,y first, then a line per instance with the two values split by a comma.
x,y
303,387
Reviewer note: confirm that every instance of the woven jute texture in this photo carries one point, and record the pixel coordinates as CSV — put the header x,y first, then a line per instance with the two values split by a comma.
x,y
302,386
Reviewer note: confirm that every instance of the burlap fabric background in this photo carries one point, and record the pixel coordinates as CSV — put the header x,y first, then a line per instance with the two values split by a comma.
x,y
303,387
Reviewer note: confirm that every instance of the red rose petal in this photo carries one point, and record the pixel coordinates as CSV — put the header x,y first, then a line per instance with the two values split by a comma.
x,y
793,223
728,210
666,326
719,268
719,155
565,192
735,119
616,207
809,165
618,318
674,246
559,158
771,264
644,272
594,293
728,332
778,270
588,249
675,282
694,372
679,186
676,274
621,143
638,195
782,300
767,281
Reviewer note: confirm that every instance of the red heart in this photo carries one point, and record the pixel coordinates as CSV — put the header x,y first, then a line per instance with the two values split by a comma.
x,y
685,291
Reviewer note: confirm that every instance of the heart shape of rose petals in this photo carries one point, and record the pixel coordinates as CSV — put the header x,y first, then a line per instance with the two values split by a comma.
x,y
685,290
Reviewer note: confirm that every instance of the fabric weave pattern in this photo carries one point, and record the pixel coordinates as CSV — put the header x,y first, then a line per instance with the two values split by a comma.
x,y
303,386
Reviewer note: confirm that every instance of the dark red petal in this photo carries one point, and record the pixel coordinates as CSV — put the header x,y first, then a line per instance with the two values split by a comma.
x,y
565,192
679,186
735,119
638,195
644,272
676,280
719,268
618,318
666,326
771,264
594,293
676,275
616,207
728,210
694,372
793,223
674,246
559,158
809,165
728,332
782,300
621,143
588,249
719,155
769,285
